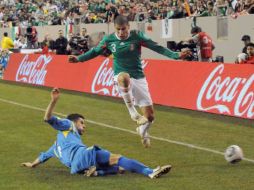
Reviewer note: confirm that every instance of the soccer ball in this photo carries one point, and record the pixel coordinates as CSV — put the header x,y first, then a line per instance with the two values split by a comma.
x,y
233,154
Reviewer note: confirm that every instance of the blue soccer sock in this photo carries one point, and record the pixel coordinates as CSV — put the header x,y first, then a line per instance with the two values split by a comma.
x,y
108,170
134,166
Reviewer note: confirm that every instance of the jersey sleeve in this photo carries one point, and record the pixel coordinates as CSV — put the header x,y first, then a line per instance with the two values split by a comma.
x,y
148,43
44,156
94,52
60,124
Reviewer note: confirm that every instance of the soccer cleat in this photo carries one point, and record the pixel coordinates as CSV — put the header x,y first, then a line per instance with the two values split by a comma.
x,y
121,170
140,119
91,172
146,142
159,171
143,133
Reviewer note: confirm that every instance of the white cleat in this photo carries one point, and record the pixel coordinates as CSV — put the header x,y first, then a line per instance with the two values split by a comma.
x,y
140,119
146,142
143,133
159,171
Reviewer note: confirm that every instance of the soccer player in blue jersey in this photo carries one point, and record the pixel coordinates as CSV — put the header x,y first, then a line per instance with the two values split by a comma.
x,y
91,161
129,78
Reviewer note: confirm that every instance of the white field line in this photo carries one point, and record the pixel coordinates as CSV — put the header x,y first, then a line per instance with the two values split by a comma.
x,y
125,130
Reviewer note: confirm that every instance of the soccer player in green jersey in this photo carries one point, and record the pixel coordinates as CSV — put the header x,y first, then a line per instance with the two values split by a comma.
x,y
129,78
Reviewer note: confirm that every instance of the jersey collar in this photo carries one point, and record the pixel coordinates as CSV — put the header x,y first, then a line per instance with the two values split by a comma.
x,y
120,38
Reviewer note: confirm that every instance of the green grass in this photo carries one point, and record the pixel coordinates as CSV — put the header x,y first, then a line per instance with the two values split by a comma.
x,y
24,135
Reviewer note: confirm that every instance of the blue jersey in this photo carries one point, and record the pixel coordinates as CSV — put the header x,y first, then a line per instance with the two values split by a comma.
x,y
4,61
69,148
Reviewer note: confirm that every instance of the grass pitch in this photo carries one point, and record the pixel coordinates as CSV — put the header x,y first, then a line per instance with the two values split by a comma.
x,y
191,141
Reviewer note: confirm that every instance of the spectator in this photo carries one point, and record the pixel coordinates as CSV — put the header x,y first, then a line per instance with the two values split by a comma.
x,y
250,54
111,12
84,41
4,58
20,42
7,42
61,44
204,44
47,44
31,35
209,11
249,6
246,40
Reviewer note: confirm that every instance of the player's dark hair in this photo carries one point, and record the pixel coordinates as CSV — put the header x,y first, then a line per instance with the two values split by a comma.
x,y
250,44
121,20
196,29
74,116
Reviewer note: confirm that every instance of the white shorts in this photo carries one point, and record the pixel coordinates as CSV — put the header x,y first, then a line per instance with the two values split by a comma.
x,y
140,91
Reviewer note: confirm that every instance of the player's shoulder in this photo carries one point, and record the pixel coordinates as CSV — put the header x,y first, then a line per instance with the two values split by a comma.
x,y
139,34
136,32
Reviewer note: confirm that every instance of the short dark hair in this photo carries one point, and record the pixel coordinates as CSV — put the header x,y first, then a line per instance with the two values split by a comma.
x,y
250,44
245,37
121,20
196,29
5,34
74,116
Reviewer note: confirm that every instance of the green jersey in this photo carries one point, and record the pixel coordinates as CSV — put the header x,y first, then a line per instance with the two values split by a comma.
x,y
127,53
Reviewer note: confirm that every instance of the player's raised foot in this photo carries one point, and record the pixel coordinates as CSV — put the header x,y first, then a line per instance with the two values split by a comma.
x,y
140,119
146,142
143,133
159,171
91,172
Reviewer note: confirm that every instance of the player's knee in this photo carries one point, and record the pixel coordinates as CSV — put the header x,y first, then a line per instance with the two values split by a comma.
x,y
113,159
123,79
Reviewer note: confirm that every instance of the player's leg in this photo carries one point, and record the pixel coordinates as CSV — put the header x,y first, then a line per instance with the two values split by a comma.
x,y
105,158
142,130
123,83
144,101
138,167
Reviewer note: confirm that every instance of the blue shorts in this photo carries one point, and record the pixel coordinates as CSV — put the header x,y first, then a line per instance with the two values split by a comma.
x,y
84,158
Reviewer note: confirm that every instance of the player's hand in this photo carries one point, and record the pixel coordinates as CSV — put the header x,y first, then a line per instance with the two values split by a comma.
x,y
185,53
55,93
27,164
73,59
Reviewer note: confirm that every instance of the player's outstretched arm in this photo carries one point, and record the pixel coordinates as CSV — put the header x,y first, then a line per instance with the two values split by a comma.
x,y
33,164
55,94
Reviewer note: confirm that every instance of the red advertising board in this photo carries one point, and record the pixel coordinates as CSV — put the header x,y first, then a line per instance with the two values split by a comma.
x,y
217,88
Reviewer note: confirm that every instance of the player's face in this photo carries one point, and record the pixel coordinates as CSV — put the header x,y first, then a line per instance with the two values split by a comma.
x,y
250,50
122,31
60,33
80,125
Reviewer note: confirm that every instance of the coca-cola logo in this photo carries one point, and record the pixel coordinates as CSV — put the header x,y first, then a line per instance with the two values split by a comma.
x,y
103,81
33,72
228,95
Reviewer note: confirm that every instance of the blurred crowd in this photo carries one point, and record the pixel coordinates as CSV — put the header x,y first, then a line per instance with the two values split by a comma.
x,y
76,44
59,12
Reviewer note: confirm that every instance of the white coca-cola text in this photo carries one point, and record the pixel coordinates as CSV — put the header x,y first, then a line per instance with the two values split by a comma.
x,y
222,92
33,72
